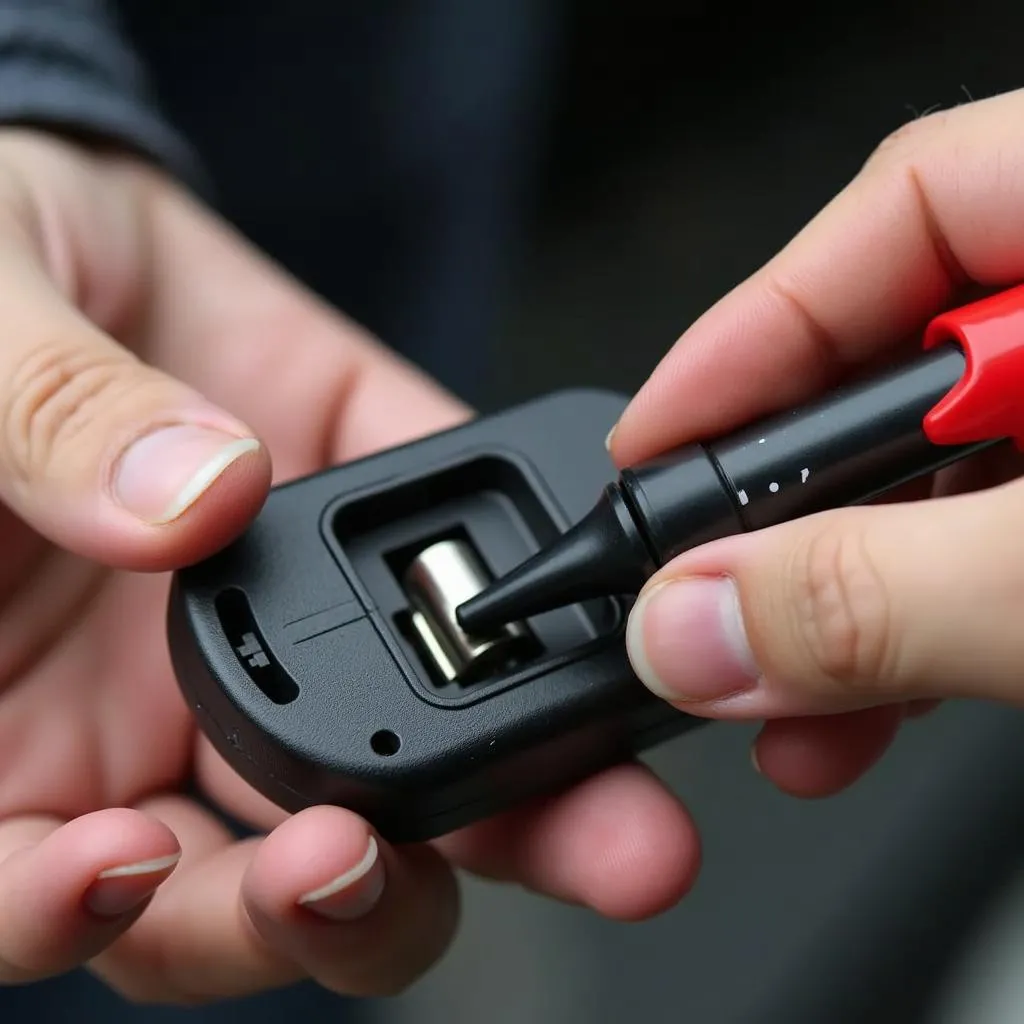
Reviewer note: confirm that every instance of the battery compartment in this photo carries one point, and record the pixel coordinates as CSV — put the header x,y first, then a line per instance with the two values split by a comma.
x,y
490,503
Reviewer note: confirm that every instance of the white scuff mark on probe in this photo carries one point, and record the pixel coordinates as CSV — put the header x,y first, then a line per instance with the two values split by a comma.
x,y
804,474
773,487
743,497
761,440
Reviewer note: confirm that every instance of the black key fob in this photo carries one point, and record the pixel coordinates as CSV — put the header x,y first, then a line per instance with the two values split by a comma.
x,y
321,655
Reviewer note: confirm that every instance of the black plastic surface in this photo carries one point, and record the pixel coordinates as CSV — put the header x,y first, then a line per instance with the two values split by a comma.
x,y
680,501
290,646
603,553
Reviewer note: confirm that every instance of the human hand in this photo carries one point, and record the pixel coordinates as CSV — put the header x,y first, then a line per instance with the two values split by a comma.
x,y
103,860
834,628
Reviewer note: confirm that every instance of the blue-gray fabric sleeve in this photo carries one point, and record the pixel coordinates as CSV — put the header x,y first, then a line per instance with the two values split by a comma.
x,y
67,66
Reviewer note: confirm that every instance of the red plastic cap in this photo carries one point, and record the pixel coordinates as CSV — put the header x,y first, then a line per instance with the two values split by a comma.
x,y
987,403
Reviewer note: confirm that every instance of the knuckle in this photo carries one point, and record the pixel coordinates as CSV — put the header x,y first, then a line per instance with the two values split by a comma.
x,y
907,140
841,606
54,397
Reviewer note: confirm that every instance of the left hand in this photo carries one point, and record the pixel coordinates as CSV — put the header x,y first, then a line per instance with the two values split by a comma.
x,y
96,739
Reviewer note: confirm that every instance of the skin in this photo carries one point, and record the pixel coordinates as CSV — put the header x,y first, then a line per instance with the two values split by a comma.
x,y
125,304
850,621
852,625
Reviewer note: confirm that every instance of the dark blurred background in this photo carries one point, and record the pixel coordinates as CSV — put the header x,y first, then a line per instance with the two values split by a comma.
x,y
526,195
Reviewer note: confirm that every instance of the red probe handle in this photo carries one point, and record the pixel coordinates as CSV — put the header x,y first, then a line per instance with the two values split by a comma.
x,y
987,403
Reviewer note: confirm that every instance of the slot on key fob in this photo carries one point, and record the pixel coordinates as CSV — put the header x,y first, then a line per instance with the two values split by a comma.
x,y
321,655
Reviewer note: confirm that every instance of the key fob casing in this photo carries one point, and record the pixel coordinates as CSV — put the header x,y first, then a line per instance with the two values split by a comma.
x,y
295,648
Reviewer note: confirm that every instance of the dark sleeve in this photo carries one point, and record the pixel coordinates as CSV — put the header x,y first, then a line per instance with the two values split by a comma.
x,y
65,65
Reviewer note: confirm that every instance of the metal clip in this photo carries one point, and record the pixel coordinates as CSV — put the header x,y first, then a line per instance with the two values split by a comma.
x,y
437,581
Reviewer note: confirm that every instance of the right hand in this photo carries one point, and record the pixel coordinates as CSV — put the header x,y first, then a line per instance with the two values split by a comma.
x,y
833,628
115,290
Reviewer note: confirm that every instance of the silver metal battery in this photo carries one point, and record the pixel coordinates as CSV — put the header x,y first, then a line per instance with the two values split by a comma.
x,y
437,581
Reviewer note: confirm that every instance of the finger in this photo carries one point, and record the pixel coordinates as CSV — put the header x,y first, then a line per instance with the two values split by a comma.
x,y
337,393
843,610
815,757
559,847
315,898
69,890
391,403
618,843
103,454
941,203
361,917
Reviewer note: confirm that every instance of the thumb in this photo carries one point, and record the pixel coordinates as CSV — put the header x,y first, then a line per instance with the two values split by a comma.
x,y
842,610
105,455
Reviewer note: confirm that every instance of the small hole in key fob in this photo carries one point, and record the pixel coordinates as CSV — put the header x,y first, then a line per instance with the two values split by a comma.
x,y
385,742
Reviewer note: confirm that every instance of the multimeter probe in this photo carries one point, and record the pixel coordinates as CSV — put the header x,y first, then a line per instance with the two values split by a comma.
x,y
436,633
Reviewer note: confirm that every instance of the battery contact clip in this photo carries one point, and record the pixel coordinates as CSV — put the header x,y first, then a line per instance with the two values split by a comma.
x,y
439,579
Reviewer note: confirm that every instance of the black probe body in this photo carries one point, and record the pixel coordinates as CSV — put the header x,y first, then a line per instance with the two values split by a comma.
x,y
847,448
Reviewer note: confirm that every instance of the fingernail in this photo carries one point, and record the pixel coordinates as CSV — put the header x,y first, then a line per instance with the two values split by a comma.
x,y
608,439
354,893
163,473
687,642
754,759
120,889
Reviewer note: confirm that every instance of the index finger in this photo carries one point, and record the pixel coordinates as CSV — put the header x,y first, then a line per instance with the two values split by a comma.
x,y
939,205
